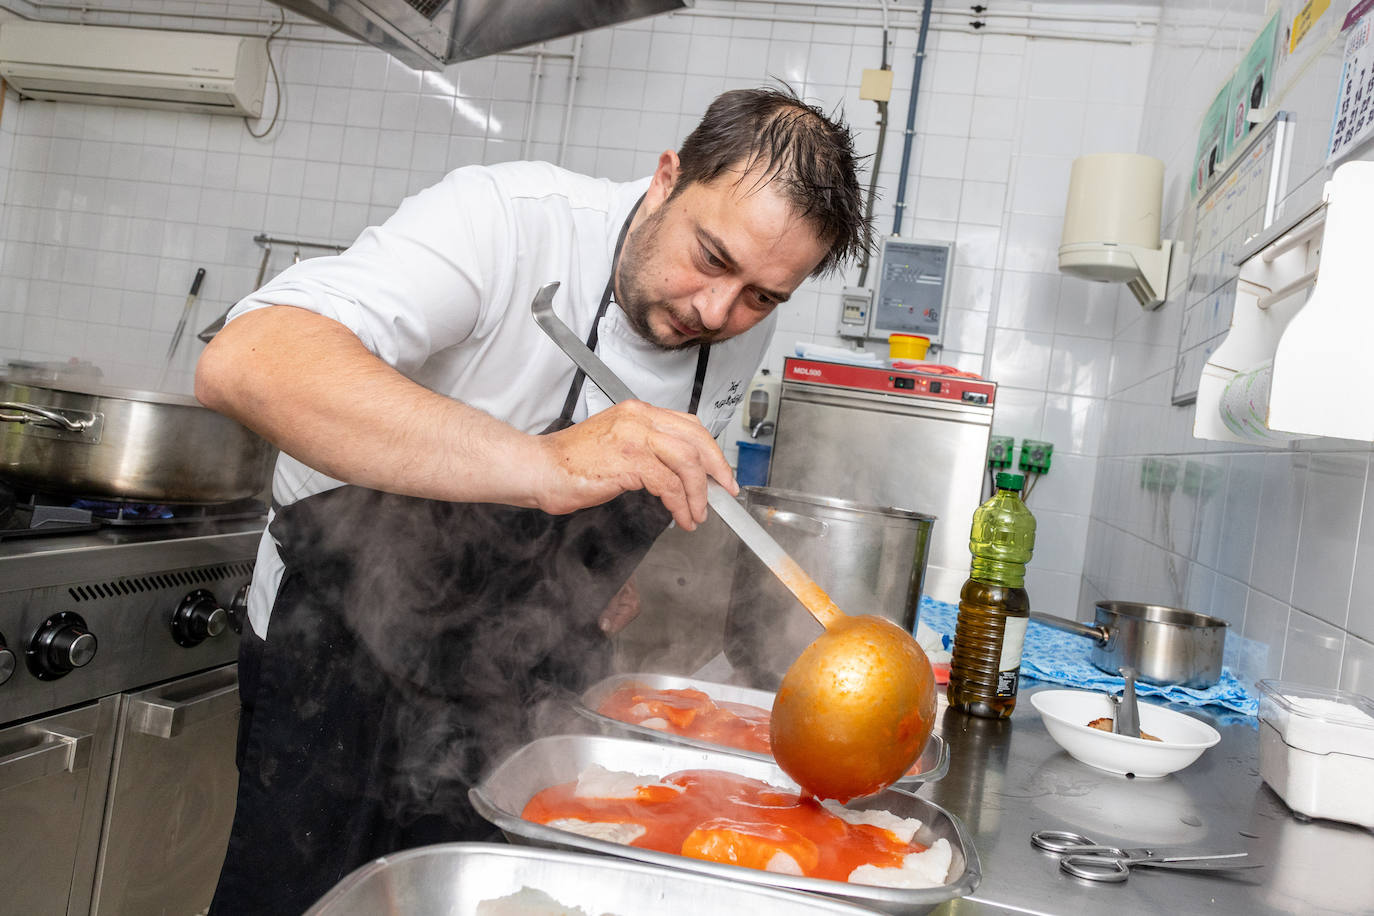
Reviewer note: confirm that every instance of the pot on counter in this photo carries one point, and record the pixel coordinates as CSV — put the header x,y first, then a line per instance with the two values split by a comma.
x,y
1165,645
83,440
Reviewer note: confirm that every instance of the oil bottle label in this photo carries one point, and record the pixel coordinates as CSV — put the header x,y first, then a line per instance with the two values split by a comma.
x,y
1013,636
1007,681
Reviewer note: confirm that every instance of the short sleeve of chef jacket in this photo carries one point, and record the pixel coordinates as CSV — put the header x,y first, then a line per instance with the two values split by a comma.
x,y
417,284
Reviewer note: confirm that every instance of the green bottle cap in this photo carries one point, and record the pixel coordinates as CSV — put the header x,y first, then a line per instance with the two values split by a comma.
x,y
1008,480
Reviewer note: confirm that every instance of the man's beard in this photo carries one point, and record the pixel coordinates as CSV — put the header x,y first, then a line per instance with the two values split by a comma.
x,y
632,294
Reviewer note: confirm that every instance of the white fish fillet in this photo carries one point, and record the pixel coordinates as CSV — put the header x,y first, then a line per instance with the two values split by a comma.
x,y
598,782
920,869
783,864
527,901
903,828
621,832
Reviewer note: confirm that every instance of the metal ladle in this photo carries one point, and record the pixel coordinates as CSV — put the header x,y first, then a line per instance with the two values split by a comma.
x,y
856,708
1127,721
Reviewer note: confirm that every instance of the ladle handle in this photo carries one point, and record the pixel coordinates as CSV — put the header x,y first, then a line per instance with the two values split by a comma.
x,y
757,539
811,595
1129,714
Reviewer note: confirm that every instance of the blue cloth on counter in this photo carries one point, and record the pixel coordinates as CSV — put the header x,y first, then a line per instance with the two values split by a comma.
x,y
1060,657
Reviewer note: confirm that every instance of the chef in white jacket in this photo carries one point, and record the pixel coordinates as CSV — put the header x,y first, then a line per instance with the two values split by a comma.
x,y
455,506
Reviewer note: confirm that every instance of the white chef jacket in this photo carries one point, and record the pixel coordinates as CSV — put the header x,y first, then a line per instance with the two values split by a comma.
x,y
442,292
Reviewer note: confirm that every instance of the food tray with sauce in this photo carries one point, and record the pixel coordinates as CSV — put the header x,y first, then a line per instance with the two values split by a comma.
x,y
503,793
930,766
453,878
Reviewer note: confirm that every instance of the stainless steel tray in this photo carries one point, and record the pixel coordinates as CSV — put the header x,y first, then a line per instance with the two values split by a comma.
x,y
934,760
502,795
452,878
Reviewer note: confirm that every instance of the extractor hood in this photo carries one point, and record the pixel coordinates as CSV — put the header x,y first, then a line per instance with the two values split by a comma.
x,y
428,34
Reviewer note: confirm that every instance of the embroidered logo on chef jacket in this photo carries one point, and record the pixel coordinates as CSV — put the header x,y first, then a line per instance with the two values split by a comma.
x,y
726,402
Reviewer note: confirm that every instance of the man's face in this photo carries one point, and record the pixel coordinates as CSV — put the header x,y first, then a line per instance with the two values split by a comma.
x,y
713,261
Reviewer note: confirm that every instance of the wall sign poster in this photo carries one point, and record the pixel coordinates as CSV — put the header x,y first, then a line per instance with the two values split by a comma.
x,y
1306,28
1312,11
1239,204
1353,121
1251,84
1212,139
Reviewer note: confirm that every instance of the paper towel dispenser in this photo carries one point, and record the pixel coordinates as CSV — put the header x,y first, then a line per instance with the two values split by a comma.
x,y
1295,363
1111,224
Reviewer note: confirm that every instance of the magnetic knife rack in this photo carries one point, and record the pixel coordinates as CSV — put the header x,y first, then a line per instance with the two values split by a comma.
x,y
267,242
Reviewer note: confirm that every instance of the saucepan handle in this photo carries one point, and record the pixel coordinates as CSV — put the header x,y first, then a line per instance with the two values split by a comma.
x,y
1099,635
70,420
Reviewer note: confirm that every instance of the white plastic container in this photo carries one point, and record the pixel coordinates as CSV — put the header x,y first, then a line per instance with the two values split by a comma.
x,y
1317,750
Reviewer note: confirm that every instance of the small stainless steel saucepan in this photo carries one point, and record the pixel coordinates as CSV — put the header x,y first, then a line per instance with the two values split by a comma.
x,y
1165,645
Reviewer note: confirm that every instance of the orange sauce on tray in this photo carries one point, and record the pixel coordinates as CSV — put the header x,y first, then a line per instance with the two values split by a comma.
x,y
693,714
722,817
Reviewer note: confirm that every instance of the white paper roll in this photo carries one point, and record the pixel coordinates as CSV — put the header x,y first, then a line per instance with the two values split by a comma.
x,y
1245,405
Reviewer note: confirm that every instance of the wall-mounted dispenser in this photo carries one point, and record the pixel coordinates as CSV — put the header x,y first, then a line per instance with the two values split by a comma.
x,y
1111,224
760,413
1295,363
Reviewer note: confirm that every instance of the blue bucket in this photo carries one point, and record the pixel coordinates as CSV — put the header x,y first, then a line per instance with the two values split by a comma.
x,y
752,470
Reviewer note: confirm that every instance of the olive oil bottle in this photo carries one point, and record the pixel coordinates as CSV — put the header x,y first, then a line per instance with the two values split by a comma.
x,y
994,608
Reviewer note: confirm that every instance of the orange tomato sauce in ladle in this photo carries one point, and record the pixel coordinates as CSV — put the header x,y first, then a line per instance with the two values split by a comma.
x,y
857,707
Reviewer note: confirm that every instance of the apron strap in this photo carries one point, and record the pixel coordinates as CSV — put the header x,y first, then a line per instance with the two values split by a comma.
x,y
703,356
580,377
575,389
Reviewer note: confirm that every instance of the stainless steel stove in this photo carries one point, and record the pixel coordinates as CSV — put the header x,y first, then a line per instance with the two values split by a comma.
x,y
118,712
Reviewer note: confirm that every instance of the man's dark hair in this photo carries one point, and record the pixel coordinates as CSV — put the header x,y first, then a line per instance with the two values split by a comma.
x,y
798,146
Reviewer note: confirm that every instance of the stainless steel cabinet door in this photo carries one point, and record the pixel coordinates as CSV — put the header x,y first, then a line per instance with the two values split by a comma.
x,y
53,773
171,797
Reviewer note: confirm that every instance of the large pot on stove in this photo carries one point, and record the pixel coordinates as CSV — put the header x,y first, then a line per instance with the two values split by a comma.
x,y
84,440
869,559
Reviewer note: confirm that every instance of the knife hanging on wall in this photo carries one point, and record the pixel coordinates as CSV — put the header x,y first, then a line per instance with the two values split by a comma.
x,y
181,324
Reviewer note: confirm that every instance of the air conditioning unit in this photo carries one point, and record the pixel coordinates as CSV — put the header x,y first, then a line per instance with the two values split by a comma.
x,y
144,68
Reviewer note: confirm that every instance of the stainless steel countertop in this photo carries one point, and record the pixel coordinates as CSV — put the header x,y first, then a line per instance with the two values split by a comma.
x,y
1008,779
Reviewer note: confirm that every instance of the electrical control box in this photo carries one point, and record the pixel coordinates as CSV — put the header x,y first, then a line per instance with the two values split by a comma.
x,y
912,289
856,304
876,85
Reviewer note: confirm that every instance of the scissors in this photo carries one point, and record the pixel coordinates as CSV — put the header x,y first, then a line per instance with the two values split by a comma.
x,y
1082,858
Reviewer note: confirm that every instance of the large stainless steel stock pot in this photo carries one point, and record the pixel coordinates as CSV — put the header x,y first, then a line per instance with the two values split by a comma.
x,y
98,442
869,559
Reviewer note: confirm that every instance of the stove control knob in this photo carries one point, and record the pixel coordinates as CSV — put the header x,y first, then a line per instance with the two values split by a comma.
x,y
238,608
61,645
198,618
6,661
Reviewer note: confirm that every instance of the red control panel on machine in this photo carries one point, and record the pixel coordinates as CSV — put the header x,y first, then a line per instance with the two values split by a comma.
x,y
890,381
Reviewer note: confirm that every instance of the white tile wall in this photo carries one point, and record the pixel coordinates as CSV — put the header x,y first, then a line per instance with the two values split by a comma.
x,y
107,213
1275,540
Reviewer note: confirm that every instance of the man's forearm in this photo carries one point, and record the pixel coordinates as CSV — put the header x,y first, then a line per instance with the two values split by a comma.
x,y
308,385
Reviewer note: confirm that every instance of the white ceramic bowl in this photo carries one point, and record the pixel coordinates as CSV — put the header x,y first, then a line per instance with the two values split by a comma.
x,y
1066,714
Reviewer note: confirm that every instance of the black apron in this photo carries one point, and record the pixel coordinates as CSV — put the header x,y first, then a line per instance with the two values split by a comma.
x,y
412,644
